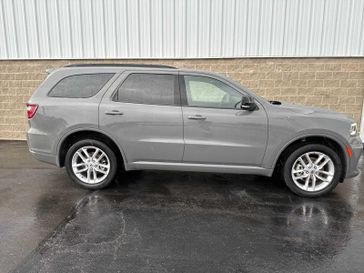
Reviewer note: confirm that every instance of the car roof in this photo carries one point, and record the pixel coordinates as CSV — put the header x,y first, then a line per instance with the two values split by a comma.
x,y
123,65
117,68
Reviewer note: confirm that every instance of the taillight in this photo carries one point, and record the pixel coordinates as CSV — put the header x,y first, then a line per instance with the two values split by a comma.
x,y
31,109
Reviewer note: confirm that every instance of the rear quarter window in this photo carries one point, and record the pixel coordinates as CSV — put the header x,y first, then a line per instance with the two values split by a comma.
x,y
80,86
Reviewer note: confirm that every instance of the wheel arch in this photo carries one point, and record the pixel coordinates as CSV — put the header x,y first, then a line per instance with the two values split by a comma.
x,y
68,140
313,139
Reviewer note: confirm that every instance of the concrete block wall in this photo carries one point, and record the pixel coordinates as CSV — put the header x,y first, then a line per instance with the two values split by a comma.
x,y
332,83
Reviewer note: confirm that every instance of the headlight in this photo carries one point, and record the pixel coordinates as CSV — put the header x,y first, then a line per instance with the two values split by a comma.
x,y
353,129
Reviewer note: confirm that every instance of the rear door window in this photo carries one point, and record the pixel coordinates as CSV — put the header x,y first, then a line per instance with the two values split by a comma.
x,y
156,89
80,86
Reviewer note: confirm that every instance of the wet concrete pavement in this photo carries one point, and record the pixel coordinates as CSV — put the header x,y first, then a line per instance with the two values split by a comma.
x,y
172,222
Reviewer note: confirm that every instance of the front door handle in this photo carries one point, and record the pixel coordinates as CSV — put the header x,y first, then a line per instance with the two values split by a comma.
x,y
114,113
197,117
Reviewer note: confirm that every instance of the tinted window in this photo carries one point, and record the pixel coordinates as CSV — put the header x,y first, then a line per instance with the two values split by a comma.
x,y
80,86
208,92
148,89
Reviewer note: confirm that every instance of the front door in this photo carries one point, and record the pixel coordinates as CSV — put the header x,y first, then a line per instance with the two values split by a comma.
x,y
144,115
216,129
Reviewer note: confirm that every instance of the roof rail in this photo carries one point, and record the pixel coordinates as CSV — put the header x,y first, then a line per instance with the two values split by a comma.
x,y
122,65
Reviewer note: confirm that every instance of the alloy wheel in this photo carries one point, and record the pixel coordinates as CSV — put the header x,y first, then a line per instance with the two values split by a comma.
x,y
90,164
313,171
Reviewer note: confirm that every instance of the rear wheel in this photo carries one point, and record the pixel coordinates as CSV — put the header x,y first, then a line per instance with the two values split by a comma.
x,y
312,170
91,164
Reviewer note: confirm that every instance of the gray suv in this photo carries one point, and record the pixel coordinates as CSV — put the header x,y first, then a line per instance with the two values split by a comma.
x,y
98,119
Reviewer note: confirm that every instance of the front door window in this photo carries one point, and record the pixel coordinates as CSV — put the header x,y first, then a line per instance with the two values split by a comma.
x,y
210,93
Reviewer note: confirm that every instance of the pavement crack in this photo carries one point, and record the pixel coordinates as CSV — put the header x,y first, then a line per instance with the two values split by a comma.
x,y
119,240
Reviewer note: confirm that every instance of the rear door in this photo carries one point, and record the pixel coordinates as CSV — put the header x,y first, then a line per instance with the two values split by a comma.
x,y
216,129
142,112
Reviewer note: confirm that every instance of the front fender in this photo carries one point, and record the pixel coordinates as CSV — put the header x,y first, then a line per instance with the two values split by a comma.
x,y
274,150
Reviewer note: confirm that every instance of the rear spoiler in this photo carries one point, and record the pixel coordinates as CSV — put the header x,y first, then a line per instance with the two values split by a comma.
x,y
50,70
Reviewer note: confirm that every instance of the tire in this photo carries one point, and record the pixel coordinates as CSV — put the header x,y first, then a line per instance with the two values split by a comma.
x,y
320,181
97,170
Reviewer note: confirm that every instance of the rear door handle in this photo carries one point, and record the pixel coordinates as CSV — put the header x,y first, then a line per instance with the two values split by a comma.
x,y
114,113
197,117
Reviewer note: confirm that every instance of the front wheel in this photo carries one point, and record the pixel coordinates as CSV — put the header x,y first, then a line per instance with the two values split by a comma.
x,y
312,170
91,164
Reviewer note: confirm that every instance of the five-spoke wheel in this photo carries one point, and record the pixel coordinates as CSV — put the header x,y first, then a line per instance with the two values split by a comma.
x,y
312,170
91,163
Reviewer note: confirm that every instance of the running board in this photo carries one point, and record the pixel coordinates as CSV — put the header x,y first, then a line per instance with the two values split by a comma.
x,y
197,167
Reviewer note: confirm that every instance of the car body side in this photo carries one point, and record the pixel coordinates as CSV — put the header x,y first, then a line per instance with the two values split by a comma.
x,y
58,118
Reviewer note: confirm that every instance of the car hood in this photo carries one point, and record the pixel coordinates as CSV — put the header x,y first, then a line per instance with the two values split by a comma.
x,y
312,111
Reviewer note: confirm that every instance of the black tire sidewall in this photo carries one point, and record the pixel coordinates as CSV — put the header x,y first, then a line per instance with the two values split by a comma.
x,y
102,146
311,148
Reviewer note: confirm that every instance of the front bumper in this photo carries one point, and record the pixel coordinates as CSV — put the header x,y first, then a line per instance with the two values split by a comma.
x,y
356,147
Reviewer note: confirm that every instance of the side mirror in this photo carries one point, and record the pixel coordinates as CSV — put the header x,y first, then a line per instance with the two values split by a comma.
x,y
248,104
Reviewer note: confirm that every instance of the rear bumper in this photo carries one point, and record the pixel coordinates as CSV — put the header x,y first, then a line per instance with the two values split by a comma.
x,y
356,149
39,147
44,157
